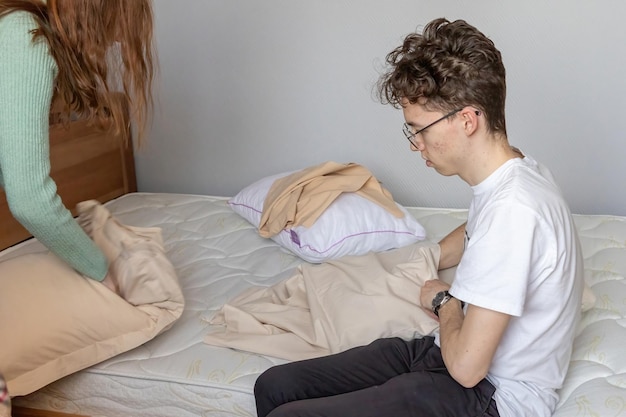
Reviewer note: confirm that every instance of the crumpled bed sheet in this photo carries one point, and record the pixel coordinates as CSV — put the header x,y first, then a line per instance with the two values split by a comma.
x,y
330,307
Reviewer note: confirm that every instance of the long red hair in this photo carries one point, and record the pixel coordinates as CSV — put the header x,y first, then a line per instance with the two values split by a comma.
x,y
99,46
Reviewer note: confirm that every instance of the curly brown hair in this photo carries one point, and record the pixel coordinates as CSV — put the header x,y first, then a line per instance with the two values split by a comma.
x,y
99,46
449,66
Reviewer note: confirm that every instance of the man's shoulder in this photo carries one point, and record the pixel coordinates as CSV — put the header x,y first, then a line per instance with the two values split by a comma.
x,y
529,180
537,168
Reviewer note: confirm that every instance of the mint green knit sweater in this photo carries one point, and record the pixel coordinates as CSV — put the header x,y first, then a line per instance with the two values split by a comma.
x,y
27,74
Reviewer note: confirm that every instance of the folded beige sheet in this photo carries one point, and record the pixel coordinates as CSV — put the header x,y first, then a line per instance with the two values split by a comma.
x,y
301,197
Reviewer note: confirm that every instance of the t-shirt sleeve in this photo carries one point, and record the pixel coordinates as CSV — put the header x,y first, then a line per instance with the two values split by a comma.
x,y
496,265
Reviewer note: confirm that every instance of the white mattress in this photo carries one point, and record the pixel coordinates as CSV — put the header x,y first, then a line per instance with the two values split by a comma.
x,y
217,254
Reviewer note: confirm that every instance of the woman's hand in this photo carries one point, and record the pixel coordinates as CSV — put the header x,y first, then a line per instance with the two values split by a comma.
x,y
111,283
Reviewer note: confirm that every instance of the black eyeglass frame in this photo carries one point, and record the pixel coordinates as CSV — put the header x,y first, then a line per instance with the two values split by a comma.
x,y
406,129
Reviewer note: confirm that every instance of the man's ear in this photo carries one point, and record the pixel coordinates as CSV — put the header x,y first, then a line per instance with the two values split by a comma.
x,y
470,119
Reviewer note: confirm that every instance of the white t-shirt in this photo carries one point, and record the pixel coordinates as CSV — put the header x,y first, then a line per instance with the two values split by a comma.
x,y
522,257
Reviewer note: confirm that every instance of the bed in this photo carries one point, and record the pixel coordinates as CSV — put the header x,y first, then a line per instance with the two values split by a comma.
x,y
217,254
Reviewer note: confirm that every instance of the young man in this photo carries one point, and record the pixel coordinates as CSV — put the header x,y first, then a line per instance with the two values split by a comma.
x,y
508,320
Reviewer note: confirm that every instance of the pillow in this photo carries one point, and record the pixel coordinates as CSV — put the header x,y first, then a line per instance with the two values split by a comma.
x,y
351,225
54,322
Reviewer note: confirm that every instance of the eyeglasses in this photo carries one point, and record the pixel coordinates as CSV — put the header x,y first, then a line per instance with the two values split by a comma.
x,y
407,130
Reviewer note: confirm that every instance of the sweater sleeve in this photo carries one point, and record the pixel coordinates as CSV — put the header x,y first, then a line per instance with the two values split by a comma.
x,y
27,74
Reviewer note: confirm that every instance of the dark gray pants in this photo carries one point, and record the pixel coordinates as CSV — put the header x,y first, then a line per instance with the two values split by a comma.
x,y
389,377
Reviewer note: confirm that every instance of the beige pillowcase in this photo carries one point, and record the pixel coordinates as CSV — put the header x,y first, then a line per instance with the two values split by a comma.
x,y
55,322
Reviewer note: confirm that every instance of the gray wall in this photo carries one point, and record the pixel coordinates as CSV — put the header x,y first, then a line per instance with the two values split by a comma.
x,y
250,88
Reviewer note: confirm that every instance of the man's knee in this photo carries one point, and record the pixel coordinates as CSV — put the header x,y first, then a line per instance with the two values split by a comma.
x,y
262,393
268,381
269,390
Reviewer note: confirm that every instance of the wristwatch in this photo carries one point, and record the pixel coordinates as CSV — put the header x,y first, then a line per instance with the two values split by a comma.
x,y
440,299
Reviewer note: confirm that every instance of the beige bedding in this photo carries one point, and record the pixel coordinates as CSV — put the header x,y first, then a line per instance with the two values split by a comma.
x,y
60,322
301,197
331,307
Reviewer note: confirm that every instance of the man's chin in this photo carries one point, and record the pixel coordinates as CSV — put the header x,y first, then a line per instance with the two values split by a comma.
x,y
444,173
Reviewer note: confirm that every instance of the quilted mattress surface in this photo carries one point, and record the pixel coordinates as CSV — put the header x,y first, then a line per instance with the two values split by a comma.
x,y
217,254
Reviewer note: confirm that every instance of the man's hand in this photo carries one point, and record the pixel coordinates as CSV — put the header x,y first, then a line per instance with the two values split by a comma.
x,y
429,290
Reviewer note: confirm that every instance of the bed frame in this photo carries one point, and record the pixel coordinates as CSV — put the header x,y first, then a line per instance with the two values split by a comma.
x,y
86,163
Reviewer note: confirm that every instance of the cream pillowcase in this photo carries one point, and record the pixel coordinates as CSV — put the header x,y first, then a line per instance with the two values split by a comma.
x,y
56,322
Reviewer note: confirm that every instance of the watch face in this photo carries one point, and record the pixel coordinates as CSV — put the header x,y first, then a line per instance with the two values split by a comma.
x,y
438,298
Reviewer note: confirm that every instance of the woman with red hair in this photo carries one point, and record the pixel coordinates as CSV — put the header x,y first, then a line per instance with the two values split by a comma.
x,y
77,52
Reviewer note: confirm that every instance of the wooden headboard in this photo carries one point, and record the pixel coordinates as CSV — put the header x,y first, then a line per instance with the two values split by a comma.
x,y
87,163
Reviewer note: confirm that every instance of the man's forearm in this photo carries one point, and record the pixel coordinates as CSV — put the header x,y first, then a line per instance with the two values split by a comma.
x,y
454,354
452,247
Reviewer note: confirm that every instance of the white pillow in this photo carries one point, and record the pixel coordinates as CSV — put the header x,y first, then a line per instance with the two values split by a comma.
x,y
351,225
